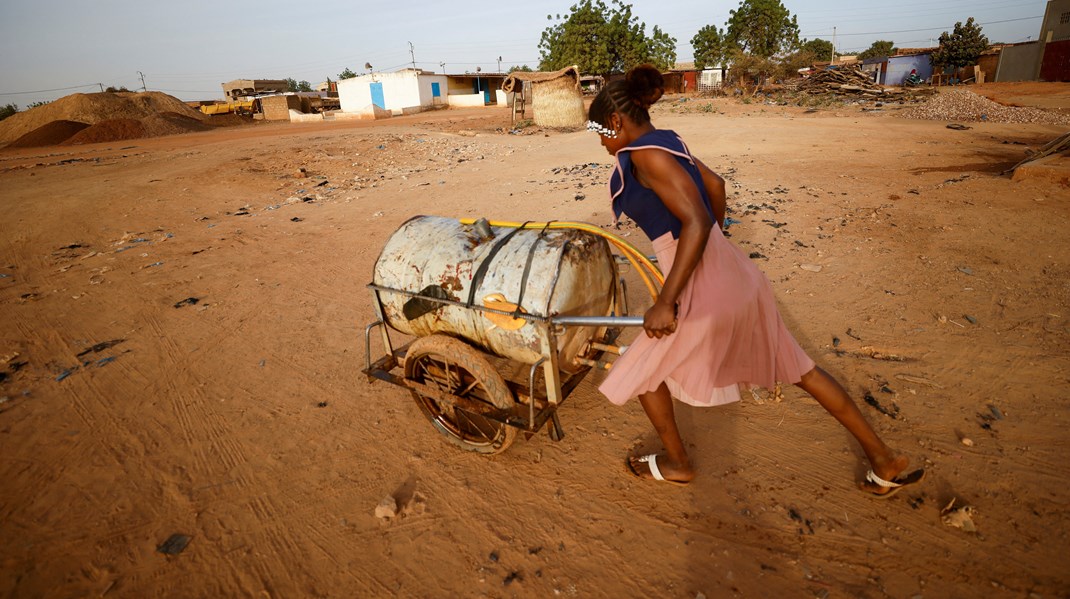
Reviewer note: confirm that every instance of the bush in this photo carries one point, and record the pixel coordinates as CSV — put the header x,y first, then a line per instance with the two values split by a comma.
x,y
8,110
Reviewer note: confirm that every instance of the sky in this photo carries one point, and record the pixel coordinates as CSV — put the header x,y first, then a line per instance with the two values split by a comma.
x,y
52,48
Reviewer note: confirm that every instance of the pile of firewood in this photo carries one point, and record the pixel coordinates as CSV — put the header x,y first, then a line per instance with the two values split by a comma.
x,y
841,80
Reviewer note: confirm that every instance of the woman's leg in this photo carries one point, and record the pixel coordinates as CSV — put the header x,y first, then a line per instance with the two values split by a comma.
x,y
834,398
674,463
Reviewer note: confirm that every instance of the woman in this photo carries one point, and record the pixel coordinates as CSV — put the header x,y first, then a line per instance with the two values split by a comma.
x,y
715,324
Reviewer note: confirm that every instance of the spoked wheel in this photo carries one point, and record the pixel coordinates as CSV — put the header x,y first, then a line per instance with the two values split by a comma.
x,y
455,368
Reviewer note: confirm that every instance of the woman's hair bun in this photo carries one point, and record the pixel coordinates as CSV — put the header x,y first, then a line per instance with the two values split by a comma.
x,y
645,85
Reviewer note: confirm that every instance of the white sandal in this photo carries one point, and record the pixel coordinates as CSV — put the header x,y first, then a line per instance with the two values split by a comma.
x,y
894,485
651,460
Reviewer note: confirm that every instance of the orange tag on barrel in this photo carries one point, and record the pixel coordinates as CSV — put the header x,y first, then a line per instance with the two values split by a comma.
x,y
497,301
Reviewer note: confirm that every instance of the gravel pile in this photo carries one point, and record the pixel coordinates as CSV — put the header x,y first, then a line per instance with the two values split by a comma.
x,y
964,105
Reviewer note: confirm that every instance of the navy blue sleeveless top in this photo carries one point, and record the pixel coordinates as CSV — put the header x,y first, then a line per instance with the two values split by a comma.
x,y
640,203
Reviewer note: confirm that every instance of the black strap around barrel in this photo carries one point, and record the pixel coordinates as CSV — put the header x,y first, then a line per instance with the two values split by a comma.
x,y
527,269
481,271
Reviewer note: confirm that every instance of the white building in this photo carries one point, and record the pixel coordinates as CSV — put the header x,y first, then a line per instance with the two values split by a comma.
x,y
413,90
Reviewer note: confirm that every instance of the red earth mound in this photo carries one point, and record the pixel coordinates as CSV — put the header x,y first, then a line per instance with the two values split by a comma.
x,y
96,108
49,134
110,130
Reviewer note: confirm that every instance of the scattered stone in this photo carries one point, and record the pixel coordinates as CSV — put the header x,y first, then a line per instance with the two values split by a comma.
x,y
968,442
892,412
958,517
387,508
811,267
964,105
416,506
174,544
995,412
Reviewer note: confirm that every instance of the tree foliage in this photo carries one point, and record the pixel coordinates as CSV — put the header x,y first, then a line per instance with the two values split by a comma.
x,y
819,49
8,110
879,49
346,74
752,69
960,48
763,28
661,49
293,85
602,40
711,48
111,89
522,68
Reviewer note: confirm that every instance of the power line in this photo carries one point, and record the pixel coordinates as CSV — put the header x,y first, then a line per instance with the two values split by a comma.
x,y
935,28
41,91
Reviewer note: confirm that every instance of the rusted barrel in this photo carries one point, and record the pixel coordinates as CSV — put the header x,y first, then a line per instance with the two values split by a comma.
x,y
569,272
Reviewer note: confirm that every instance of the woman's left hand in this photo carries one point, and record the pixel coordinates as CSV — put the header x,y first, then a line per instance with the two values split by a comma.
x,y
660,320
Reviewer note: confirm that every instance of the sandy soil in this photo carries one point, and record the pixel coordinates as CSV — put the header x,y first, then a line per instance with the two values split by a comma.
x,y
1053,96
131,413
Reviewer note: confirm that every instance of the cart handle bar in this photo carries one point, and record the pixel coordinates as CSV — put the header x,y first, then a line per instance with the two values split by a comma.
x,y
598,321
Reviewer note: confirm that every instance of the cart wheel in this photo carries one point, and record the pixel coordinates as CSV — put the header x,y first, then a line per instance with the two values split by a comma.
x,y
458,369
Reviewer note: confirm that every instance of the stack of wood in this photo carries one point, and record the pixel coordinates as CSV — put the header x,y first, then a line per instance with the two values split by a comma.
x,y
841,80
1055,146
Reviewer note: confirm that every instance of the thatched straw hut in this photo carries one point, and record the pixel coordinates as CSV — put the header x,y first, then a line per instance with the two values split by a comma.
x,y
555,96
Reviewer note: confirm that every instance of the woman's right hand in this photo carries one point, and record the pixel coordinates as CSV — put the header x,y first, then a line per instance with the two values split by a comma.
x,y
660,320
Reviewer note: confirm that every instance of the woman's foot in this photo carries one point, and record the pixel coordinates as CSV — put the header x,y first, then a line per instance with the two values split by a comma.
x,y
890,472
670,471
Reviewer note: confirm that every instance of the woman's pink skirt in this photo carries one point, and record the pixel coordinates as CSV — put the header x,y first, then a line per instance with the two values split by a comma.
x,y
728,334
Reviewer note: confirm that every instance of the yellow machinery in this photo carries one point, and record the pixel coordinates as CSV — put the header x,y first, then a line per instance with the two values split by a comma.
x,y
245,107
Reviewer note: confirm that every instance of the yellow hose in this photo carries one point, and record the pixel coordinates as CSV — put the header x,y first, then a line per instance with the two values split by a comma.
x,y
637,259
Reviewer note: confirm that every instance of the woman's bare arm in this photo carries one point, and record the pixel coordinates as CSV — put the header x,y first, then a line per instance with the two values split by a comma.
x,y
661,172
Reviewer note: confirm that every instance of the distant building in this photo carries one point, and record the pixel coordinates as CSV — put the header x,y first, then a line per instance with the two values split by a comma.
x,y
414,90
1055,42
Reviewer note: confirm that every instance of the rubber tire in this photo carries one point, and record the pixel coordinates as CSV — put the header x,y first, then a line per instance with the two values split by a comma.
x,y
463,356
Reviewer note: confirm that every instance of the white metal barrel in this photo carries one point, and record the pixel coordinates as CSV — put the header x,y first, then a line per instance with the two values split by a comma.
x,y
571,273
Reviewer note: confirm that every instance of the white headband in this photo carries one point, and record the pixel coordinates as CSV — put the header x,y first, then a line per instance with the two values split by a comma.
x,y
601,129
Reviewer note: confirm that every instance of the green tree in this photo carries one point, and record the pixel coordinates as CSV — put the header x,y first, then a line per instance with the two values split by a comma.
x,y
8,110
111,89
346,74
879,49
523,68
33,105
818,49
763,28
661,49
751,69
960,48
602,40
580,39
710,47
292,85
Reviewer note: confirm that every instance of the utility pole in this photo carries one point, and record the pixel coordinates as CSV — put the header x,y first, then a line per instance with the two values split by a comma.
x,y
101,87
833,47
499,64
443,65
412,53
143,88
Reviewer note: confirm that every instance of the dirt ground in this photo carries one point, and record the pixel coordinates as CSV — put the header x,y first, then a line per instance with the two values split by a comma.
x,y
182,343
